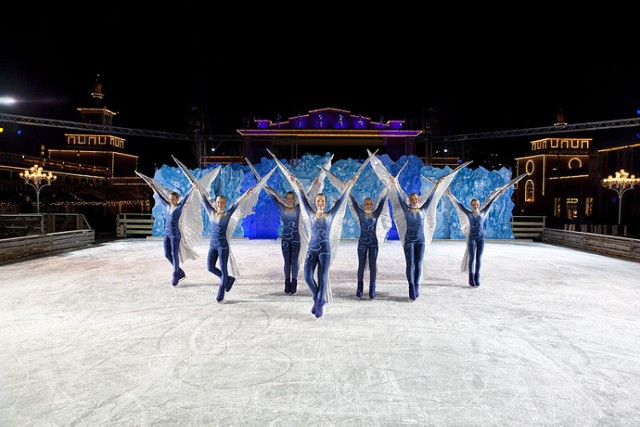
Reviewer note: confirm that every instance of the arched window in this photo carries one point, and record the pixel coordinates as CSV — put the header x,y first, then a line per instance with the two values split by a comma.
x,y
528,192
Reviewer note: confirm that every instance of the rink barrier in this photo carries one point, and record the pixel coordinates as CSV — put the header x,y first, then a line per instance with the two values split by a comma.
x,y
38,234
132,224
39,244
619,247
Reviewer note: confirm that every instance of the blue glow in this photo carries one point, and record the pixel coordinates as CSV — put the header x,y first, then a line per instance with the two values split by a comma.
x,y
235,179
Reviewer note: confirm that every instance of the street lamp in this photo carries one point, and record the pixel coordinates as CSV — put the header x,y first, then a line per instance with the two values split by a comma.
x,y
620,183
38,179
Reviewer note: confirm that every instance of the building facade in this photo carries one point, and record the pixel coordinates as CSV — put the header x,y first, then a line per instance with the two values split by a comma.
x,y
564,183
95,175
328,130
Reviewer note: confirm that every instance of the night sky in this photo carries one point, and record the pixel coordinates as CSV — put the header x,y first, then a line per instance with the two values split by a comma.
x,y
509,71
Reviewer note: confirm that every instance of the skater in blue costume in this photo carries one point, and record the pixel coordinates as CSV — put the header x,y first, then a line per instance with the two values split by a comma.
x,y
172,235
292,232
374,226
415,218
325,228
472,224
290,241
182,222
224,221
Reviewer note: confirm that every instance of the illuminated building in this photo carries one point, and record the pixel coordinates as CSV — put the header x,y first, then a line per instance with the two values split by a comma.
x,y
328,130
564,182
95,176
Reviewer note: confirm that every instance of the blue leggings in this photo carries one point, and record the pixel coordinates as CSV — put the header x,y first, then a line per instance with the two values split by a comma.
x,y
413,254
320,260
214,253
475,247
372,252
290,253
172,251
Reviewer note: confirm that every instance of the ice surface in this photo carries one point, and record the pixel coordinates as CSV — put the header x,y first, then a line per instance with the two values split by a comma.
x,y
100,337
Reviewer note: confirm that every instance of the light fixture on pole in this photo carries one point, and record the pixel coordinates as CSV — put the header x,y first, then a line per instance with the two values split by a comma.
x,y
620,183
38,179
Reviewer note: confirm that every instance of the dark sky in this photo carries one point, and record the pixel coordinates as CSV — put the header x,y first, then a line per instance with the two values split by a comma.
x,y
481,69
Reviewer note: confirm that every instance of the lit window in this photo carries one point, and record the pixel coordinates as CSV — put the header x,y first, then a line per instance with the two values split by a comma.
x,y
572,208
528,191
588,206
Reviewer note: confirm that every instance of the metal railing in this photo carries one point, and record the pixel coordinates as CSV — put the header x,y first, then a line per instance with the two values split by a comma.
x,y
528,227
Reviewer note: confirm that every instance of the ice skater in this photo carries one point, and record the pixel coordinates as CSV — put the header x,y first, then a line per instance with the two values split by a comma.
x,y
224,221
472,225
290,240
325,228
415,219
295,235
182,224
375,223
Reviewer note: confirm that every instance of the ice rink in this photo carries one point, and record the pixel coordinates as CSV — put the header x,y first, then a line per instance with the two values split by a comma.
x,y
98,336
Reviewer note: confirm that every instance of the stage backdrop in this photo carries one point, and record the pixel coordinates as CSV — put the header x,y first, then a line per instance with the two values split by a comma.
x,y
235,179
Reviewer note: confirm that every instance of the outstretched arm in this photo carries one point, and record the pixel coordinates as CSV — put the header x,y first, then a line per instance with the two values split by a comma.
x,y
427,202
456,202
211,208
163,192
164,203
299,190
344,188
355,204
273,194
486,205
382,201
399,192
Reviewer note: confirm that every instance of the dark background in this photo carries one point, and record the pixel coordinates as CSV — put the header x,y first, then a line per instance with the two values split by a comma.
x,y
461,70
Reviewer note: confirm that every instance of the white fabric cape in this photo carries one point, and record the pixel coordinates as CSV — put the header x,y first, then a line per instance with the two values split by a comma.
x,y
244,206
464,220
338,217
190,222
435,193
316,186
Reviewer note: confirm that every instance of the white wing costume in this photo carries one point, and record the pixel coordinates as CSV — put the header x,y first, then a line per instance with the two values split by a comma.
x,y
316,187
338,216
484,210
302,229
384,222
190,223
397,196
241,208
344,188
